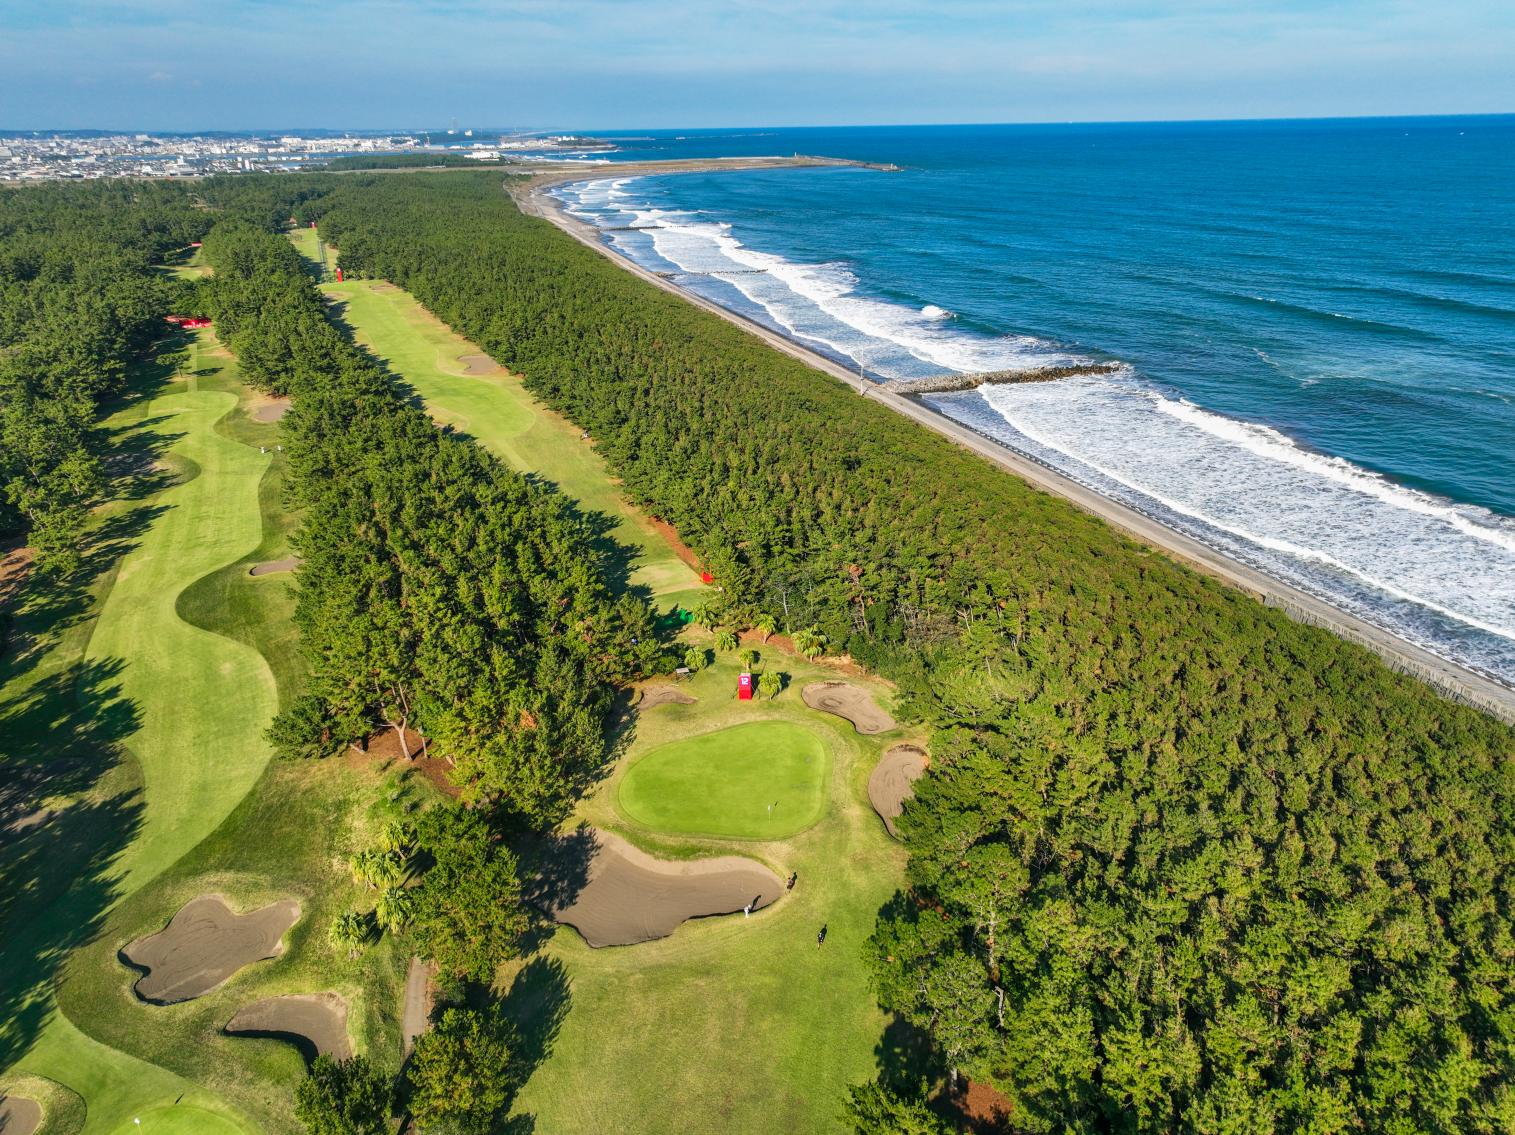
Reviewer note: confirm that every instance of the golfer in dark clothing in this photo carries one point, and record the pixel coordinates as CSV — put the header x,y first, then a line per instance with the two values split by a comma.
x,y
820,939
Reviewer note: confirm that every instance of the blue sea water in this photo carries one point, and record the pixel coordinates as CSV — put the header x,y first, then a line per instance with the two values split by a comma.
x,y
1316,321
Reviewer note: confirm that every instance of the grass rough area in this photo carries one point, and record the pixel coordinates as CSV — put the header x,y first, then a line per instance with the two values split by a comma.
x,y
759,780
202,646
731,1024
497,412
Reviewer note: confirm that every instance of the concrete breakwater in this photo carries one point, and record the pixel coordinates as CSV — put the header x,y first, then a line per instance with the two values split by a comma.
x,y
948,383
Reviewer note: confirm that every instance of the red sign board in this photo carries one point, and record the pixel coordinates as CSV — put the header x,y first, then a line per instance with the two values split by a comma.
x,y
744,687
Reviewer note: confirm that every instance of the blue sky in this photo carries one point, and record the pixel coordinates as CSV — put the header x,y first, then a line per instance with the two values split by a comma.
x,y
172,64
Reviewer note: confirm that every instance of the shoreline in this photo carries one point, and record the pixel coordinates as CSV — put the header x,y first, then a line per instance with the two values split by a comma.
x,y
1448,678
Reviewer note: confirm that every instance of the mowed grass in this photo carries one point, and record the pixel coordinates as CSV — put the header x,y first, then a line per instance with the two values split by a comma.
x,y
193,705
496,411
759,780
203,700
737,1025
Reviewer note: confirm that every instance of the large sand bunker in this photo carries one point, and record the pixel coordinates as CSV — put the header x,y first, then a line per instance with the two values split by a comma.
x,y
848,701
273,567
203,945
315,1023
631,897
19,1115
271,411
478,364
654,696
892,782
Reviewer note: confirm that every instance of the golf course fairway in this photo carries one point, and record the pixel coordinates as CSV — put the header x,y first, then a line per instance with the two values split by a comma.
x,y
203,700
761,780
494,409
200,702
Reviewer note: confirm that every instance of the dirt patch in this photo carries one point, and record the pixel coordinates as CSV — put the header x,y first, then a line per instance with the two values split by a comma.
x,y
19,1115
977,1107
204,945
671,534
416,1014
850,702
654,696
15,564
270,409
315,1023
630,897
273,567
892,782
381,287
479,364
384,748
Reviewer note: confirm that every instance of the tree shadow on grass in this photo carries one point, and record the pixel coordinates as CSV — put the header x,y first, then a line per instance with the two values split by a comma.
x,y
69,805
554,869
535,1006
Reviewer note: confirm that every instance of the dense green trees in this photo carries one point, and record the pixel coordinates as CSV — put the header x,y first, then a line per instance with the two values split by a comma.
x,y
467,913
440,594
81,297
344,1097
463,1076
1179,863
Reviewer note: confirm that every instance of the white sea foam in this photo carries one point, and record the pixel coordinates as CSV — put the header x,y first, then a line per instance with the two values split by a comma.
x,y
1382,550
817,302
1252,482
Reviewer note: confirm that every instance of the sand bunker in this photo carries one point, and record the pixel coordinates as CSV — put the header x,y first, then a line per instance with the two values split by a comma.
x,y
850,702
892,782
631,897
478,364
654,696
271,411
272,567
203,945
19,1115
315,1023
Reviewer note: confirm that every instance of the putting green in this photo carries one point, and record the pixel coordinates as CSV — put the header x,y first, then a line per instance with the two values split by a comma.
x,y
761,780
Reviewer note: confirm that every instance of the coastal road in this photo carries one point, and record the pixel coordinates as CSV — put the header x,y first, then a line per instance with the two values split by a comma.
x,y
1450,679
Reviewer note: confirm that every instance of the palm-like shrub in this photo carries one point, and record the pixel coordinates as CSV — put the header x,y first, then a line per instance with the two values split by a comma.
x,y
394,910
810,642
349,930
726,641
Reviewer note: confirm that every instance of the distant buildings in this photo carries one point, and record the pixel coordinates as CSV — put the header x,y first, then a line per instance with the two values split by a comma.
x,y
87,155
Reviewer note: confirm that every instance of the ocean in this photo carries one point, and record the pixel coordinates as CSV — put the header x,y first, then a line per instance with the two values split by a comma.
x,y
1314,321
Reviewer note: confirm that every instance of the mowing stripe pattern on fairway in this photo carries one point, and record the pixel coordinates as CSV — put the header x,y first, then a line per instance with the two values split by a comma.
x,y
203,700
496,410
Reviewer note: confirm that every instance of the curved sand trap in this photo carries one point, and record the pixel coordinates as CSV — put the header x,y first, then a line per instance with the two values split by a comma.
x,y
203,945
271,411
272,567
631,897
850,702
478,364
892,782
19,1115
315,1023
654,696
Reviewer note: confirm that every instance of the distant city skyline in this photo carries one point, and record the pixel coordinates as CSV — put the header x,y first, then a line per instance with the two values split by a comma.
x,y
601,65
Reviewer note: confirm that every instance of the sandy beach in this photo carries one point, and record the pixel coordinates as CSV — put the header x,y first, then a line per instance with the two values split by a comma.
x,y
1454,681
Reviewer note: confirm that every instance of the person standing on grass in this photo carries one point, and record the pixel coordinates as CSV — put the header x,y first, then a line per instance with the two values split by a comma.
x,y
820,939
747,911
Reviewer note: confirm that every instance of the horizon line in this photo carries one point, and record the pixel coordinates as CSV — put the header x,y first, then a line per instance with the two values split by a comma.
x,y
359,130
